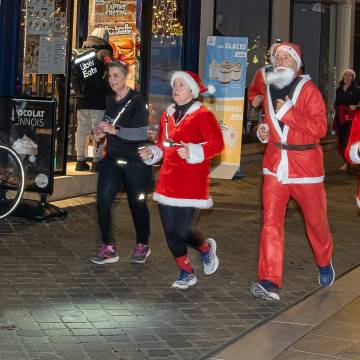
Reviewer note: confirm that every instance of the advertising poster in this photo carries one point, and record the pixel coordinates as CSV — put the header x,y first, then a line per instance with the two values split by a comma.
x,y
32,137
45,44
118,17
225,69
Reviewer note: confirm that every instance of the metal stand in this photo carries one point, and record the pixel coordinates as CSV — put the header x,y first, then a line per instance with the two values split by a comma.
x,y
39,210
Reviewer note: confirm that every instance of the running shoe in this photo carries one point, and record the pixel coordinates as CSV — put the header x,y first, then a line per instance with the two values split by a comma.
x,y
141,252
266,290
185,280
209,259
326,275
107,255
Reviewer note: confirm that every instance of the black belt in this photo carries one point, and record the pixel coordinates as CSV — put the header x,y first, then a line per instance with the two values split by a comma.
x,y
295,147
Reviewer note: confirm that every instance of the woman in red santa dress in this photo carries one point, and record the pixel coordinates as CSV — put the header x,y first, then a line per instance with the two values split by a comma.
x,y
189,136
352,152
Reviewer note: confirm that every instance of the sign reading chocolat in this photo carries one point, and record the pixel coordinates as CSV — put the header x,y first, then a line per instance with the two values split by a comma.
x,y
32,137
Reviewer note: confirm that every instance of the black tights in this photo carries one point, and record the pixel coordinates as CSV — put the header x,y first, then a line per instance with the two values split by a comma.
x,y
177,224
135,177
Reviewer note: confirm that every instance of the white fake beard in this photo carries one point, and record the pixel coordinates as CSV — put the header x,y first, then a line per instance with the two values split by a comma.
x,y
280,77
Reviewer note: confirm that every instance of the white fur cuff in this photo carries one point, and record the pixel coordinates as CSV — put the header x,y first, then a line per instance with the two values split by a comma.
x,y
354,153
358,202
261,127
196,154
157,155
284,109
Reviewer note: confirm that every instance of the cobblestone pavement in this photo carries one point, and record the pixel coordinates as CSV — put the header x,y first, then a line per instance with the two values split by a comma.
x,y
54,304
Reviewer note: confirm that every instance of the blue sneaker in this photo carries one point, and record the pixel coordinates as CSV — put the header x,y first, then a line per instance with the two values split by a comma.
x,y
265,289
185,280
209,259
326,275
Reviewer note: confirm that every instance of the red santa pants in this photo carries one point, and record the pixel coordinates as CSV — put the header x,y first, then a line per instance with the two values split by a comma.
x,y
312,201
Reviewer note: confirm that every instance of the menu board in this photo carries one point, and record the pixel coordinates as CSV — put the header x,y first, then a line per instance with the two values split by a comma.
x,y
45,37
118,17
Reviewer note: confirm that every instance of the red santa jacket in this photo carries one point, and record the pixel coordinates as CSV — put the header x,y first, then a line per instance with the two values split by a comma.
x,y
257,86
185,183
353,146
304,120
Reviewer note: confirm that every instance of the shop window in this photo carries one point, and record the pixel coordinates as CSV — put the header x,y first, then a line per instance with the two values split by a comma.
x,y
43,59
249,19
165,55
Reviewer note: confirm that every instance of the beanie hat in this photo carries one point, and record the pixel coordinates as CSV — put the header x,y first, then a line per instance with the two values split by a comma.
x,y
194,82
353,73
101,33
293,50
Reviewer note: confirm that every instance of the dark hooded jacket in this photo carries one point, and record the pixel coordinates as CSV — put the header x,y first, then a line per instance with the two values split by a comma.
x,y
88,73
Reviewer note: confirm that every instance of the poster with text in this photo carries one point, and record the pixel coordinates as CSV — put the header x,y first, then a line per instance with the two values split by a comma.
x,y
32,137
118,17
45,42
225,69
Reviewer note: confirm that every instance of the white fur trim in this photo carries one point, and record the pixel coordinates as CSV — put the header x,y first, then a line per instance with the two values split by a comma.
x,y
305,180
258,136
354,153
196,203
157,155
211,89
194,107
284,109
358,202
189,80
196,154
301,83
292,52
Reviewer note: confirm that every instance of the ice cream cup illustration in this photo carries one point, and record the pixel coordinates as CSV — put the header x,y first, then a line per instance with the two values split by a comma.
x,y
236,71
213,70
225,71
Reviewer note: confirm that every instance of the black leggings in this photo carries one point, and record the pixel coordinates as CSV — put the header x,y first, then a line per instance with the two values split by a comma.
x,y
135,178
177,224
343,132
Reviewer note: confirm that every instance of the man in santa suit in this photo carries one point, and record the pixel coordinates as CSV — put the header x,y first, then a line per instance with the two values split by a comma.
x,y
295,120
352,152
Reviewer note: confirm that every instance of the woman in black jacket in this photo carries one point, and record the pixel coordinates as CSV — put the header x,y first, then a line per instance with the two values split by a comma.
x,y
125,129
347,97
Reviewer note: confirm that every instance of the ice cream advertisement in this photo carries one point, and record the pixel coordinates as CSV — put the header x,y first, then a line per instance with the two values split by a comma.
x,y
225,69
32,137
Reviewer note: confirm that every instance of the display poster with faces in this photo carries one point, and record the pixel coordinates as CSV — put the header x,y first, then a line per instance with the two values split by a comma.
x,y
45,37
225,69
118,17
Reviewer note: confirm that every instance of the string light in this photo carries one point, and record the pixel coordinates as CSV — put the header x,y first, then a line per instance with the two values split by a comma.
x,y
165,23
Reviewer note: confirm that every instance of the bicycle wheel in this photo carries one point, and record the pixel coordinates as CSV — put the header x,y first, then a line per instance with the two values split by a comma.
x,y
12,180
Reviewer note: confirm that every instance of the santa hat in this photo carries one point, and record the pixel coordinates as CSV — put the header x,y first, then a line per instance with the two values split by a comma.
x,y
194,81
293,50
272,50
353,73
101,33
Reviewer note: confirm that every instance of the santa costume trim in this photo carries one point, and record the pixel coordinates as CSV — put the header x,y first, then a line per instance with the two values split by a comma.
x,y
171,109
157,155
196,203
282,173
354,153
358,202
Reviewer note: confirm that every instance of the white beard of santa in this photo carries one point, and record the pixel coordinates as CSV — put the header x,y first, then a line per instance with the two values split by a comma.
x,y
280,77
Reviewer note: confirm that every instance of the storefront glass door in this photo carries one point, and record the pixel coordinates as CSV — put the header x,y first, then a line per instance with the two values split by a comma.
x,y
43,60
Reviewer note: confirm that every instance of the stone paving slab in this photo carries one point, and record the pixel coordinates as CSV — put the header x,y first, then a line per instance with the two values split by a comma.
x,y
54,304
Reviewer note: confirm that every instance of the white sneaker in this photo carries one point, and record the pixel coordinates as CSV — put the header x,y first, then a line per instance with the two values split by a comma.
x,y
185,280
209,259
